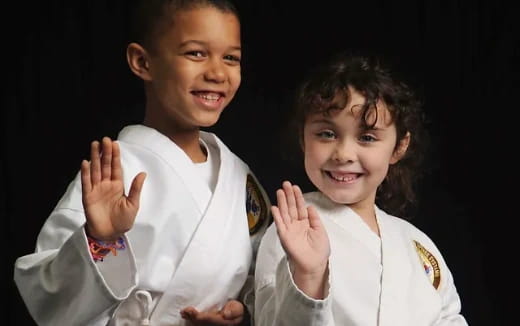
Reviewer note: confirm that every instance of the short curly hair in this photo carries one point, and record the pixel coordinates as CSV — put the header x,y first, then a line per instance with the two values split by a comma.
x,y
326,89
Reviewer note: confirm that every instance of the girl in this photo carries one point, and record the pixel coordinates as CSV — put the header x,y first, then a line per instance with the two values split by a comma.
x,y
343,260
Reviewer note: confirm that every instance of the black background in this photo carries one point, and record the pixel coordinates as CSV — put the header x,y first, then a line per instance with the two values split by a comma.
x,y
67,83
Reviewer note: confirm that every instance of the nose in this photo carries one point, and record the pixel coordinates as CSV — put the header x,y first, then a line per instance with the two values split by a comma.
x,y
345,152
216,71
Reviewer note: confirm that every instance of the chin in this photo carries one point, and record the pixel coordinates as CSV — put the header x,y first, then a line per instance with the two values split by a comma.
x,y
340,198
208,122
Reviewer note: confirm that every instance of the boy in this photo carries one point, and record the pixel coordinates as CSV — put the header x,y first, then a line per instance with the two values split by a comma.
x,y
180,245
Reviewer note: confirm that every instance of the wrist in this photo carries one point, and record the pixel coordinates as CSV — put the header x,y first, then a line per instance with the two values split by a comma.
x,y
100,249
101,237
312,282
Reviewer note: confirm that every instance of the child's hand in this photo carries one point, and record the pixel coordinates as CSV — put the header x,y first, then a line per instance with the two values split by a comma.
x,y
231,314
109,213
303,238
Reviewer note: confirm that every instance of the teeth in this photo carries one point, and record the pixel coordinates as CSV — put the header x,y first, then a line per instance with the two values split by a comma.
x,y
209,97
344,178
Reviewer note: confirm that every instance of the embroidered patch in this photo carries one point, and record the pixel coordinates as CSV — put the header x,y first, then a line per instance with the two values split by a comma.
x,y
430,264
256,206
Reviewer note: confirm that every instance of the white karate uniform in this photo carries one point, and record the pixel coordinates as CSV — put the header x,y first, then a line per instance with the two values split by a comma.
x,y
189,246
372,281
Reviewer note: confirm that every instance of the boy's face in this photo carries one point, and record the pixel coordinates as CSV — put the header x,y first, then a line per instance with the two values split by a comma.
x,y
194,68
343,159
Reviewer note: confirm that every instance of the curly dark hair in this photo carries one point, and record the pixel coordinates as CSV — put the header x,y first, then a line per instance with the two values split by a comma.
x,y
326,89
148,15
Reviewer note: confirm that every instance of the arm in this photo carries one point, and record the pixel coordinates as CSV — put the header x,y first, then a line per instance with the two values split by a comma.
x,y
450,300
292,283
60,283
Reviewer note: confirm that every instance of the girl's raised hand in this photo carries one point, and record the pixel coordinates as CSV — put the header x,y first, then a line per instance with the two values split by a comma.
x,y
303,238
109,213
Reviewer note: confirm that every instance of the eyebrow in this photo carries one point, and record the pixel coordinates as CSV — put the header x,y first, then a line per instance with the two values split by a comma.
x,y
322,120
331,123
202,43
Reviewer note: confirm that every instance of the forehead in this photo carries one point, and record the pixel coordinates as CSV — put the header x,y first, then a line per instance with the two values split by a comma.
x,y
377,115
204,21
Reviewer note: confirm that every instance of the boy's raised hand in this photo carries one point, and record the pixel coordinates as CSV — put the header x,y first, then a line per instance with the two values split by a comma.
x,y
231,314
303,238
109,213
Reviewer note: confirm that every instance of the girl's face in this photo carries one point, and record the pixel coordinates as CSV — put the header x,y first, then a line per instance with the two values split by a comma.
x,y
344,160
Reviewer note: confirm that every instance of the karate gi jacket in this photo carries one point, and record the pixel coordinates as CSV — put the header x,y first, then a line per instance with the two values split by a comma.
x,y
397,279
189,246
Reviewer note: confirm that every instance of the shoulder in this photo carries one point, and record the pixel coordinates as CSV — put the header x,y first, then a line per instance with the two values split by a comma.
x,y
257,206
418,238
401,224
213,140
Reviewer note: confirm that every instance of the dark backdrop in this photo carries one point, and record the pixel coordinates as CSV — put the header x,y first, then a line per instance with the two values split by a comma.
x,y
67,83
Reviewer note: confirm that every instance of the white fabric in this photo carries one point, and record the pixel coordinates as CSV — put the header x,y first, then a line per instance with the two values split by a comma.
x,y
188,246
208,170
373,281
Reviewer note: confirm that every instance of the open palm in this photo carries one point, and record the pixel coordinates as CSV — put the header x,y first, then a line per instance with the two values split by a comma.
x,y
300,230
109,213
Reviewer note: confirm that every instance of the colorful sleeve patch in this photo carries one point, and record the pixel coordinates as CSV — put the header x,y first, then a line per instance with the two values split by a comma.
x,y
256,205
430,264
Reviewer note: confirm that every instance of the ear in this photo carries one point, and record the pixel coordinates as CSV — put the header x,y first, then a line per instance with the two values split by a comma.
x,y
138,60
400,150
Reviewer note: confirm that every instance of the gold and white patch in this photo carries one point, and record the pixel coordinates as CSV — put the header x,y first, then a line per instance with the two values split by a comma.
x,y
256,206
430,264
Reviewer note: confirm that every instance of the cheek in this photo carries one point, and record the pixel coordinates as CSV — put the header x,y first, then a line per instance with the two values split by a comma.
x,y
378,163
314,154
235,77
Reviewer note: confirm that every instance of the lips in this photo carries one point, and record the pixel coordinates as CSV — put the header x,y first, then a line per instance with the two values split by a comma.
x,y
210,100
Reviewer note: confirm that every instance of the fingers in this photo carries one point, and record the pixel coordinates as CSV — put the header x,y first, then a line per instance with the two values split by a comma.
x,y
134,194
300,203
86,185
314,218
232,310
189,313
106,158
291,201
117,172
282,206
95,164
211,317
278,220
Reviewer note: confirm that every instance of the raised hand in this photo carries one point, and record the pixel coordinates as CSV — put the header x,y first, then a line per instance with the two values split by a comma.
x,y
109,213
303,238
231,314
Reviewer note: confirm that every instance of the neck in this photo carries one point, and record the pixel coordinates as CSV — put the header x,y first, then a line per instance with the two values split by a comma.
x,y
368,215
186,139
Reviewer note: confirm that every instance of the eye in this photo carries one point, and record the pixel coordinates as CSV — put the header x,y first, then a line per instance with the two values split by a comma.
x,y
326,134
233,58
367,138
195,54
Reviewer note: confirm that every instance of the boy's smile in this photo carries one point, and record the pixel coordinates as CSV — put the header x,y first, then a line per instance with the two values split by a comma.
x,y
195,69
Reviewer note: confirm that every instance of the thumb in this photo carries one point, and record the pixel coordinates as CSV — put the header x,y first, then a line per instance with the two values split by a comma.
x,y
135,189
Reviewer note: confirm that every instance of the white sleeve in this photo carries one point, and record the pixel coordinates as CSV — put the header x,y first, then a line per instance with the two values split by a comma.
x,y
450,300
61,284
450,314
278,301
247,294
